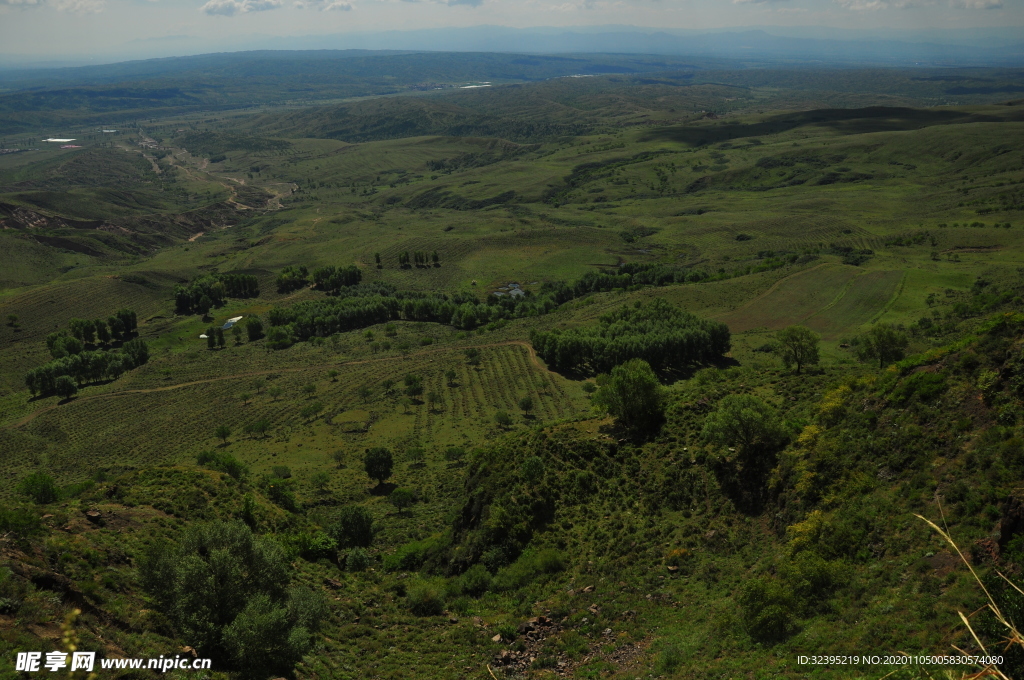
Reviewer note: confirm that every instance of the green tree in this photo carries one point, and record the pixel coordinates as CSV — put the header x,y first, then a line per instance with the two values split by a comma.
x,y
65,387
503,419
40,487
365,393
102,331
798,346
258,384
406,402
259,427
311,411
433,398
225,590
415,455
401,499
275,392
378,463
413,385
12,320
526,404
450,375
223,432
220,336
245,397
454,454
211,338
333,374
633,395
376,259
745,422
884,342
352,527
339,457
236,332
254,328
320,481
309,389
472,356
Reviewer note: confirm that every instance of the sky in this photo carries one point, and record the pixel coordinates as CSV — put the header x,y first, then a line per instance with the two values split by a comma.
x,y
57,28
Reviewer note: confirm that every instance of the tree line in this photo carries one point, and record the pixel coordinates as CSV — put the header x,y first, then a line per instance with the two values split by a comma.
x,y
118,327
207,292
665,336
63,376
369,304
420,258
634,275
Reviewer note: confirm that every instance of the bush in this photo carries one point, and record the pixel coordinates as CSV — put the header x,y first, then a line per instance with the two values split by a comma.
x,y
476,581
425,599
767,606
410,556
352,528
21,522
315,545
527,568
222,462
357,560
225,589
40,487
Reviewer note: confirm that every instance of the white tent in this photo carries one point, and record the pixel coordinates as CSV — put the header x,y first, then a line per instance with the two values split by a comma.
x,y
231,322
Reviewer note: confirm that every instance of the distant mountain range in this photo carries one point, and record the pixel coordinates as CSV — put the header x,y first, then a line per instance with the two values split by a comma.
x,y
998,46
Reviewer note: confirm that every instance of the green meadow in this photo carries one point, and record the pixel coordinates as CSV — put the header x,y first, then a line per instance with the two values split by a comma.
x,y
667,553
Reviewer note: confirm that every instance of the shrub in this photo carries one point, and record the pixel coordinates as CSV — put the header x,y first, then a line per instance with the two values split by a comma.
x,y
40,487
425,599
222,462
315,545
476,581
410,556
767,606
21,522
352,528
527,568
225,588
357,560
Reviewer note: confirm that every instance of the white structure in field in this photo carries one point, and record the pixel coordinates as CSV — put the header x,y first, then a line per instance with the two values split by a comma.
x,y
231,322
55,139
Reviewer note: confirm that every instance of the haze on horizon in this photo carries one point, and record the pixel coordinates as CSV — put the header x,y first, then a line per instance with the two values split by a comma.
x,y
42,29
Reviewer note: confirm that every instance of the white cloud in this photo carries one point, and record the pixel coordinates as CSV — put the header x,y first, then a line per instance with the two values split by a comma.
x,y
229,8
873,5
753,2
80,6
977,4
324,5
21,3
471,3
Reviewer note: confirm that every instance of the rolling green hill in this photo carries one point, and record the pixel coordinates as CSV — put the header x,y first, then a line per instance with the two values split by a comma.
x,y
440,276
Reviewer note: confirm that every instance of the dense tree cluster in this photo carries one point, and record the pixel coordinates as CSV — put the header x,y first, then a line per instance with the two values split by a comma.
x,y
207,292
664,336
227,593
72,340
364,305
292,278
332,279
633,275
84,367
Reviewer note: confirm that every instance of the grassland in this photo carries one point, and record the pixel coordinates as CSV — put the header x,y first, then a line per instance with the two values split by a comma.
x,y
873,215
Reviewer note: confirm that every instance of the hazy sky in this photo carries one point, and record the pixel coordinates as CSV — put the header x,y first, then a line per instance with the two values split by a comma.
x,y
63,27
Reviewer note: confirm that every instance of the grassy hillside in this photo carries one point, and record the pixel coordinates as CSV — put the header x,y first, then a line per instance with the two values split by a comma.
x,y
521,527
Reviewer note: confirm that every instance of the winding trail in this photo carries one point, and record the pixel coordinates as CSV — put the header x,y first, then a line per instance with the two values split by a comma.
x,y
534,359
